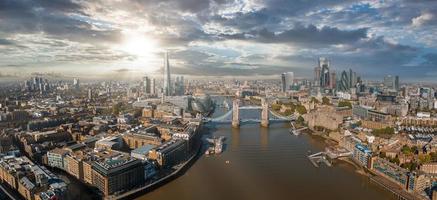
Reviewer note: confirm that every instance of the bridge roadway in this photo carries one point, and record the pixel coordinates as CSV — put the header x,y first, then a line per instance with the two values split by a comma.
x,y
224,118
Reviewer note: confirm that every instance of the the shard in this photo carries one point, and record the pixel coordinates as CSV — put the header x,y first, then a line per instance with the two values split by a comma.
x,y
167,78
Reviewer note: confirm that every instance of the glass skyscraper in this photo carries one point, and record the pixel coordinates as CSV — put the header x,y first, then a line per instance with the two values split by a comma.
x,y
167,78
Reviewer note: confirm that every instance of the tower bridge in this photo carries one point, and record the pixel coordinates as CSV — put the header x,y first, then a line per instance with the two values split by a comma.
x,y
233,116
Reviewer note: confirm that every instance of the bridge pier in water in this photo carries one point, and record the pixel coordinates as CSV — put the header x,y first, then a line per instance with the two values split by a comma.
x,y
236,113
264,113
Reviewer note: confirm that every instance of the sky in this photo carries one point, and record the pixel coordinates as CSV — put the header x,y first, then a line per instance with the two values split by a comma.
x,y
219,38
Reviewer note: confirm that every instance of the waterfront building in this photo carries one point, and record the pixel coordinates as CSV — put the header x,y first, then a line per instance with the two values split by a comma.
x,y
117,174
390,171
363,155
87,171
74,164
325,117
33,182
417,182
170,153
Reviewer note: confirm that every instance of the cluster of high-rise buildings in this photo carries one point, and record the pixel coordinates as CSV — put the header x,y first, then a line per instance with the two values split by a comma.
x,y
169,87
37,84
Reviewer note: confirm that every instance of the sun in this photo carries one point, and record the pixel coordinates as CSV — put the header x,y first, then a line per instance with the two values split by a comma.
x,y
143,49
138,44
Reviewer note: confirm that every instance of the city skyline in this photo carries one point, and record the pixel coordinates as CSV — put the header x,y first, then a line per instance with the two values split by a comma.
x,y
218,38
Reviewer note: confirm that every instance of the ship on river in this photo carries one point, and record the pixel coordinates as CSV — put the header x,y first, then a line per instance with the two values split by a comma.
x,y
216,145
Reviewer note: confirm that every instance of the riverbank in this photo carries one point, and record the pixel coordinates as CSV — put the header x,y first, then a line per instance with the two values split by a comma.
x,y
161,181
381,181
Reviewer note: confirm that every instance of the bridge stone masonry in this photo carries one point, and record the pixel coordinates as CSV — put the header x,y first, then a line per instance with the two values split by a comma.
x,y
267,116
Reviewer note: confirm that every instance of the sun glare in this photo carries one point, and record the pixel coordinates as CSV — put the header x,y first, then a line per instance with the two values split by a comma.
x,y
143,47
139,44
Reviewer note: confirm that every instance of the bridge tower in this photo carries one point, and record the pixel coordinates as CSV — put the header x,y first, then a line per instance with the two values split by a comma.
x,y
264,113
236,113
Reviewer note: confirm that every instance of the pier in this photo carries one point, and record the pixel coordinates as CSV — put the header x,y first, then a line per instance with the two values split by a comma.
x,y
320,157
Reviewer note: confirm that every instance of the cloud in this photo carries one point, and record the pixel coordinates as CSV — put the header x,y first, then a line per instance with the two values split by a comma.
x,y
5,42
222,37
424,18
303,35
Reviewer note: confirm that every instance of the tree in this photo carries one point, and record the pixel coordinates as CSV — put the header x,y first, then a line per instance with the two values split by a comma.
x,y
424,158
383,132
314,100
301,109
325,101
395,160
433,156
116,108
409,165
276,107
406,150
345,104
300,120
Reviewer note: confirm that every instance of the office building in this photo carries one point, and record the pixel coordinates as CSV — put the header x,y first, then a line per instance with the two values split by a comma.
x,y
179,87
344,84
117,174
146,85
170,153
391,83
287,80
333,81
317,72
76,83
324,65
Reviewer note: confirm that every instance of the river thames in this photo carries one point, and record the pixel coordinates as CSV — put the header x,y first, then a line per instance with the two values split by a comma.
x,y
267,163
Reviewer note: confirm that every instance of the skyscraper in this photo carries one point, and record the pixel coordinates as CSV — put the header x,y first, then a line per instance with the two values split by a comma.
x,y
287,80
390,82
90,94
344,82
317,76
146,85
167,78
76,83
324,69
333,81
153,86
179,87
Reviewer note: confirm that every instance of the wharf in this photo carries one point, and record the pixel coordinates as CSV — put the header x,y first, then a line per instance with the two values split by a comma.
x,y
319,158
